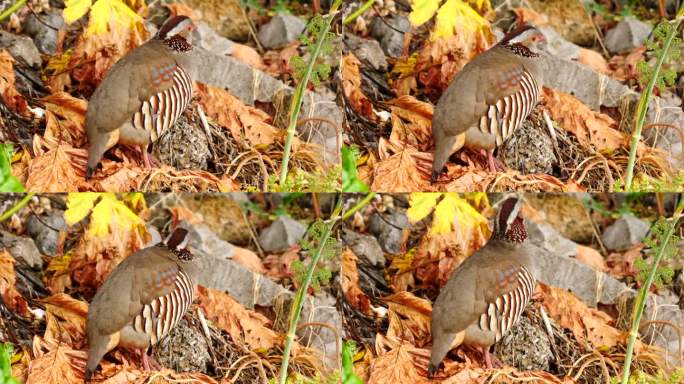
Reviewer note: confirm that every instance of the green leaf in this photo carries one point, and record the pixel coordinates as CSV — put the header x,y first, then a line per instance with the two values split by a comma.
x,y
8,182
350,177
348,375
6,377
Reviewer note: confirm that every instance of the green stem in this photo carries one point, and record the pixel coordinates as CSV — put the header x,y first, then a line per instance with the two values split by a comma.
x,y
296,104
17,206
298,303
13,8
358,12
643,293
642,107
358,206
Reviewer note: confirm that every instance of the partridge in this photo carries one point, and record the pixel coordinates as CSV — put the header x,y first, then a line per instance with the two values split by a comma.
x,y
489,98
143,94
141,300
486,294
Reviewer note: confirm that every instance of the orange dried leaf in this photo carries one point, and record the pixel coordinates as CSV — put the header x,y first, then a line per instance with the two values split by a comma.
x,y
350,283
243,326
56,167
412,122
588,325
65,318
247,55
8,289
65,119
249,259
622,264
55,362
351,86
591,257
10,96
593,60
409,318
244,123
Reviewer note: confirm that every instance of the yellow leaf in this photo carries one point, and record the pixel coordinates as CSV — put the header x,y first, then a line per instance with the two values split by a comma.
x,y
75,9
109,213
135,200
457,14
420,205
422,11
403,263
79,206
451,209
115,11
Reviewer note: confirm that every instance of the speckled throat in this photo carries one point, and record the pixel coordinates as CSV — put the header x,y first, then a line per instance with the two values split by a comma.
x,y
178,44
520,50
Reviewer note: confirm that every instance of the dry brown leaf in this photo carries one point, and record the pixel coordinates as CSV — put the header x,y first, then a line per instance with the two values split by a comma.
x,y
529,16
179,214
623,67
588,325
57,167
10,96
179,9
55,363
412,122
399,169
594,60
65,119
8,289
591,257
243,326
248,55
249,259
350,283
279,267
621,264
351,86
65,319
93,55
409,318
244,123
592,129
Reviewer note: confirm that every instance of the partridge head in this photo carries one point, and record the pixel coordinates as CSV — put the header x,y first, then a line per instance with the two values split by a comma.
x,y
489,98
141,300
486,295
143,94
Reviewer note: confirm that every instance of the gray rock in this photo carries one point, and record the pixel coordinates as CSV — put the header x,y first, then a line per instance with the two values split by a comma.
x,y
391,37
43,35
201,239
282,29
282,234
624,233
368,51
546,237
389,230
23,249
627,34
321,308
365,246
184,349
558,46
45,237
21,48
212,41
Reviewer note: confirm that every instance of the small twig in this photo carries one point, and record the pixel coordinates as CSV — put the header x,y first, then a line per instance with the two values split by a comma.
x,y
549,332
13,8
679,335
8,213
252,30
333,330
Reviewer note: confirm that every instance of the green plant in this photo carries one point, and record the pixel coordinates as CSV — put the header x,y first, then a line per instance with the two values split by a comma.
x,y
639,377
663,243
8,183
350,176
301,181
600,9
348,375
317,40
6,377
625,207
646,183
363,8
665,45
318,234
315,241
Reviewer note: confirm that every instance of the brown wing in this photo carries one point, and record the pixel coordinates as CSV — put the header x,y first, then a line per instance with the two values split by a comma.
x,y
143,72
488,78
141,278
